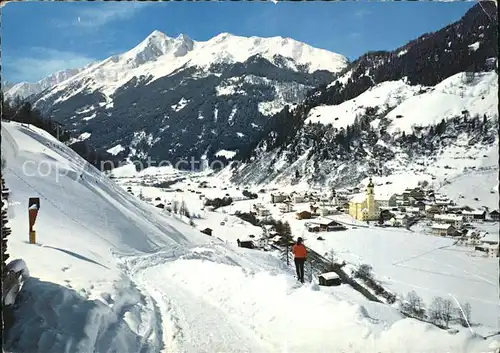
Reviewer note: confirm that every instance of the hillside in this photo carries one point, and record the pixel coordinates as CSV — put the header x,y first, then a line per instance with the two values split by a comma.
x,y
113,273
386,110
165,93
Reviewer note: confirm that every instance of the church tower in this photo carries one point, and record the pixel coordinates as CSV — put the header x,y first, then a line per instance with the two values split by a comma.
x,y
370,200
333,197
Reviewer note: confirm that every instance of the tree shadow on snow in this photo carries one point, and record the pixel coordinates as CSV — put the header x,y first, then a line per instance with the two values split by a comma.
x,y
52,318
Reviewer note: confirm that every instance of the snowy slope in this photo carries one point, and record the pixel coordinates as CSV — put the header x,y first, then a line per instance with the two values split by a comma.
x,y
114,274
384,95
159,55
475,189
448,99
416,105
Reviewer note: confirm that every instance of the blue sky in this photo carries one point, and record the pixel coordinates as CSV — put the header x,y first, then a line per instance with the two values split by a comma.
x,y
39,38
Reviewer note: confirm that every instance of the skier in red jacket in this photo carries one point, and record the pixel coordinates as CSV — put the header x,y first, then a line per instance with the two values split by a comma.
x,y
300,254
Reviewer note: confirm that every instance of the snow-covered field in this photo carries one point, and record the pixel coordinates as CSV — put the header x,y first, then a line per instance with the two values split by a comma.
x,y
112,273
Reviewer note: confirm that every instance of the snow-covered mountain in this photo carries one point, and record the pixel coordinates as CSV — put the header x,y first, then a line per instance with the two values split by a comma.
x,y
6,85
176,97
26,89
389,111
112,273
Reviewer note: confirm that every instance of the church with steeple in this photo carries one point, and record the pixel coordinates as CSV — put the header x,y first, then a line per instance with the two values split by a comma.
x,y
364,207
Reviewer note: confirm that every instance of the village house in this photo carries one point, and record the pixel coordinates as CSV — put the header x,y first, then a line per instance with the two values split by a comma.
x,y
456,220
304,215
321,224
494,215
286,207
364,207
420,205
279,197
327,211
489,249
401,220
443,229
299,198
417,194
412,210
263,212
453,209
474,215
431,211
275,240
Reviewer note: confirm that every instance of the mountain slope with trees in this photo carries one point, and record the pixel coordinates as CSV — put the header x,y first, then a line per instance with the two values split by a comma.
x,y
462,54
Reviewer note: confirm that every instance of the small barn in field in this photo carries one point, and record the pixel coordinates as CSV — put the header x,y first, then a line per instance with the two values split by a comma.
x,y
324,225
329,279
249,244
207,231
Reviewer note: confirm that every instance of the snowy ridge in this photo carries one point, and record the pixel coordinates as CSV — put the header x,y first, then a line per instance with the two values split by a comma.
x,y
159,55
26,89
113,273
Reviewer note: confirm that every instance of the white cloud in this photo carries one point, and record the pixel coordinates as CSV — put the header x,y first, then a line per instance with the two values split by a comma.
x,y
360,14
99,15
41,63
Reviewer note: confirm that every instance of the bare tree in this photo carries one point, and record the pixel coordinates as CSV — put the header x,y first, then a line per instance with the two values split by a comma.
x,y
414,305
175,206
364,271
448,309
436,310
331,257
464,313
441,311
182,209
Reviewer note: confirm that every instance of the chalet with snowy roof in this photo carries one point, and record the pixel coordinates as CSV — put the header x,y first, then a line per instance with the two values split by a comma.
x,y
268,228
494,215
297,198
431,211
327,211
278,197
329,279
322,224
443,230
286,207
453,209
474,215
412,210
263,212
365,207
489,249
456,220
401,220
